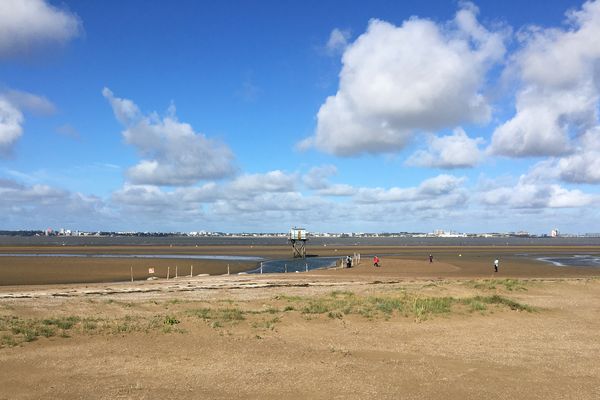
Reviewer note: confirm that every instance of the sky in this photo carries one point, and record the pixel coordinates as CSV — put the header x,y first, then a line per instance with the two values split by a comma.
x,y
379,116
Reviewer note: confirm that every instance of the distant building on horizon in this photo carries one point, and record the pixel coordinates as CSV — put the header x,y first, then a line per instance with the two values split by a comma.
x,y
554,233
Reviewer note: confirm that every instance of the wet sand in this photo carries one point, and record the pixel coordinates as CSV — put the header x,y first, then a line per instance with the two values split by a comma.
x,y
397,262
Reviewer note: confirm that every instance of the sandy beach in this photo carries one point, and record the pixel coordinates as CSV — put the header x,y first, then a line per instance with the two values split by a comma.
x,y
411,329
450,261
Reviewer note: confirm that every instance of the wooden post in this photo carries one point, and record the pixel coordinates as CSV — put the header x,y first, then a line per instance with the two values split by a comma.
x,y
286,268
261,267
306,267
131,272
168,272
227,269
191,271
176,275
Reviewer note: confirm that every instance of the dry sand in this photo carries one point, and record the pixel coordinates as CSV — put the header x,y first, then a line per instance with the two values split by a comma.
x,y
288,336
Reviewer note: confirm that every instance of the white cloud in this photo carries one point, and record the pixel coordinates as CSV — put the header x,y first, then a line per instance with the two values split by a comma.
x,y
558,99
11,129
396,81
29,24
270,191
440,191
453,151
338,40
273,181
13,192
174,154
12,104
38,206
318,177
582,166
337,189
30,102
527,194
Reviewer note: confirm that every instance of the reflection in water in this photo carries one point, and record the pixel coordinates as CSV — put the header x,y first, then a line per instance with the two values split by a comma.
x,y
577,260
295,265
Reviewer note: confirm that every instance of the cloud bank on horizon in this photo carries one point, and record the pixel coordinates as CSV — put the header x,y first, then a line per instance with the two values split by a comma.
x,y
420,97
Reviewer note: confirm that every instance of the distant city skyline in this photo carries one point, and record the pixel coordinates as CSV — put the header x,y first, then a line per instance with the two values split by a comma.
x,y
236,116
441,233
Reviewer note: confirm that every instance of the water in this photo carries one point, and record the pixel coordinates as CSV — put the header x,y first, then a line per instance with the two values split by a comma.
x,y
576,260
295,265
169,256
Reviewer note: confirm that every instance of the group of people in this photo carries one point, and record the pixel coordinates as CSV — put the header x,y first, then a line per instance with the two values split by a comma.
x,y
376,262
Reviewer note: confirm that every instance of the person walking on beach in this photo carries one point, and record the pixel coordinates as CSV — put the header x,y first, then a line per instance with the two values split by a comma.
x,y
376,261
496,263
348,262
430,259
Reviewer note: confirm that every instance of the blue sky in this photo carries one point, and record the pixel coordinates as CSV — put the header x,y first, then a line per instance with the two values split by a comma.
x,y
339,116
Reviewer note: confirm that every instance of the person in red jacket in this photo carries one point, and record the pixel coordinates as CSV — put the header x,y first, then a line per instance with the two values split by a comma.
x,y
376,261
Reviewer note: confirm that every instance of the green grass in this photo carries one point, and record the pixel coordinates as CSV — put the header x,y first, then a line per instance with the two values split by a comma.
x,y
7,341
266,324
220,315
287,298
339,304
170,320
63,322
17,330
500,300
508,284
336,305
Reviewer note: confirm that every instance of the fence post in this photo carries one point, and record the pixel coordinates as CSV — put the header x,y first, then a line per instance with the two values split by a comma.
x,y
168,272
227,269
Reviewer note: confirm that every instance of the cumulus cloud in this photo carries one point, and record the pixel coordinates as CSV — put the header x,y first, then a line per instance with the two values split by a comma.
x,y
584,165
558,97
437,192
337,189
11,126
535,195
248,193
26,25
273,181
28,206
453,151
174,154
338,40
398,80
183,204
14,192
12,105
318,177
